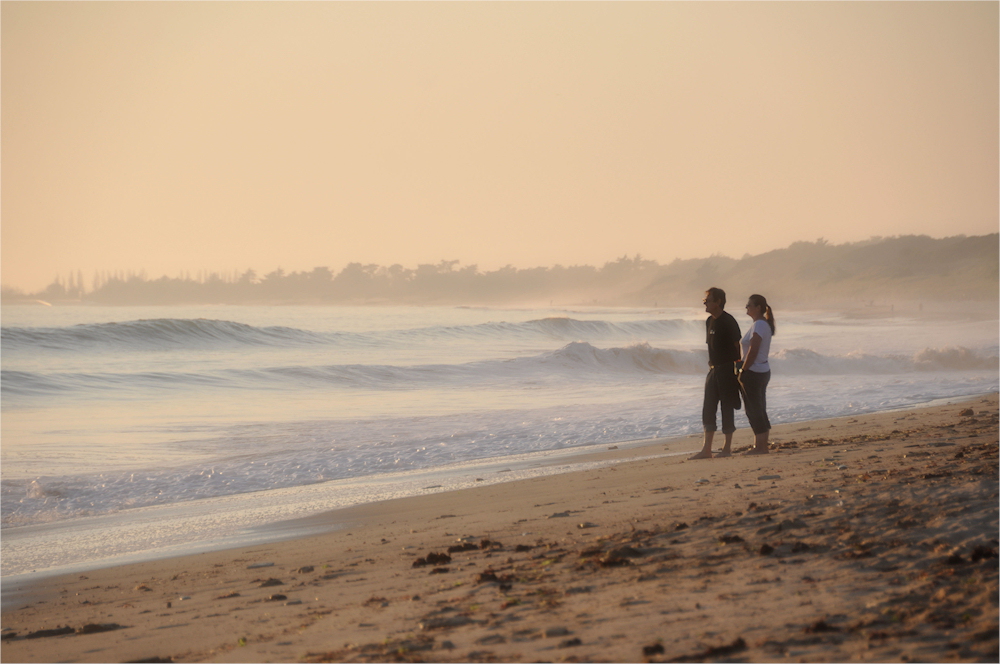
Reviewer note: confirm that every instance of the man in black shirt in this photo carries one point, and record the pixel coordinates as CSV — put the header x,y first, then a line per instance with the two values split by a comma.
x,y
721,387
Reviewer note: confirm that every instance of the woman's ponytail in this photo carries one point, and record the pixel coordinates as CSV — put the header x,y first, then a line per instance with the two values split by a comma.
x,y
761,301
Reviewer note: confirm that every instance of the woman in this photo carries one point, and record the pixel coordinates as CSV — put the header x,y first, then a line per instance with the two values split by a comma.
x,y
755,372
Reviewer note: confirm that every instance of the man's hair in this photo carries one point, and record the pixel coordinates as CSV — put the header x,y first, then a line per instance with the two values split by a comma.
x,y
718,295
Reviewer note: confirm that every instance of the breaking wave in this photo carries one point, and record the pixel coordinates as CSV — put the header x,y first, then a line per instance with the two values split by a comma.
x,y
193,334
802,361
576,361
160,334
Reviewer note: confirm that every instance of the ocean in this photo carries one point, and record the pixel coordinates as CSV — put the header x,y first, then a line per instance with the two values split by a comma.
x,y
135,432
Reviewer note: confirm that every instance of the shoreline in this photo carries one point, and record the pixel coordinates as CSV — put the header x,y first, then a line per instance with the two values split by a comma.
x,y
362,491
278,528
861,514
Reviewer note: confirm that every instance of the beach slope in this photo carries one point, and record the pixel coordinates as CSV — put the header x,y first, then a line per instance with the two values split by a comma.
x,y
869,538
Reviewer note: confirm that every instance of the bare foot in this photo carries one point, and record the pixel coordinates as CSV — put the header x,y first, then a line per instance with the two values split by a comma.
x,y
704,454
756,450
722,454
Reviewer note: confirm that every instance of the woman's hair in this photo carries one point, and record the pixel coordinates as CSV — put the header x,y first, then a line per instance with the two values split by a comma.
x,y
761,301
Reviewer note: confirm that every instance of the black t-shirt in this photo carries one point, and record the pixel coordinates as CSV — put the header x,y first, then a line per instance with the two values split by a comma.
x,y
723,337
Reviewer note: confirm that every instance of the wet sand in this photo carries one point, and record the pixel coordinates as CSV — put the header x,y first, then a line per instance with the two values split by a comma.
x,y
869,538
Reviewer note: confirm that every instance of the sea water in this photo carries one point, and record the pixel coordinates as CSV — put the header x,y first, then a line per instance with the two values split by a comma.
x,y
131,432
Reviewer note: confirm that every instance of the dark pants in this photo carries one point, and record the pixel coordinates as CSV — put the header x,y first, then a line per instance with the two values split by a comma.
x,y
755,386
722,390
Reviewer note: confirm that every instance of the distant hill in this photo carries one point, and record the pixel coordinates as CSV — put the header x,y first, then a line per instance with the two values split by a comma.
x,y
882,272
911,268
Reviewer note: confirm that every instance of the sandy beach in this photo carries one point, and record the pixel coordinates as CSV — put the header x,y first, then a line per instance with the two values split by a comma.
x,y
867,538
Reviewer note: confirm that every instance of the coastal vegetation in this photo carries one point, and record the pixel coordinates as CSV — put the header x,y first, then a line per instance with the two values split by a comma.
x,y
875,272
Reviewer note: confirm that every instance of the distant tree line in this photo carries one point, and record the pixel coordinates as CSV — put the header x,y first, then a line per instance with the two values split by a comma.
x,y
876,270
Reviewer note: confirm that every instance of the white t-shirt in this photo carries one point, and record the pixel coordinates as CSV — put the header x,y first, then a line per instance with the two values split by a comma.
x,y
761,327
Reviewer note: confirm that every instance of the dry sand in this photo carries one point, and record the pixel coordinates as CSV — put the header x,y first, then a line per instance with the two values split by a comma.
x,y
871,538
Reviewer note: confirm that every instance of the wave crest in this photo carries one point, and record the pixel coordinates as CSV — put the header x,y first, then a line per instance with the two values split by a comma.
x,y
640,357
802,361
571,328
576,361
201,333
155,334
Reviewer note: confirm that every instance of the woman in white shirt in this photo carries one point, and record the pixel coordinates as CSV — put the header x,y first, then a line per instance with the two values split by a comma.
x,y
755,372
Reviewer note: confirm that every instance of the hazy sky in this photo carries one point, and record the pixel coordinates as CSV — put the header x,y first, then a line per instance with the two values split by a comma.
x,y
188,135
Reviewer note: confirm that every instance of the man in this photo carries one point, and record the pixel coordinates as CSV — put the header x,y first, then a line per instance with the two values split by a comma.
x,y
721,387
